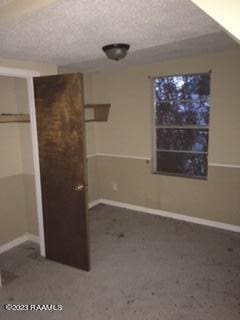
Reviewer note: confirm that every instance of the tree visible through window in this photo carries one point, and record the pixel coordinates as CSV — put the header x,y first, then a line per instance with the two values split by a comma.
x,y
181,119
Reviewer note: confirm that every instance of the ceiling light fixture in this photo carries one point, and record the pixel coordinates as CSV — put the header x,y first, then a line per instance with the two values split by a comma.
x,y
116,51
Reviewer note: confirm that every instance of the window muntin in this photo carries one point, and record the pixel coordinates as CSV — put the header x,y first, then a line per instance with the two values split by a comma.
x,y
181,125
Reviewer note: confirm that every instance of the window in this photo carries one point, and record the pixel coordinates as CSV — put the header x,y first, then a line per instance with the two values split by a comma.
x,y
181,119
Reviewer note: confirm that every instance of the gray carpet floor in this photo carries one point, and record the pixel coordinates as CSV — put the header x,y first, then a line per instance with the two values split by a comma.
x,y
144,267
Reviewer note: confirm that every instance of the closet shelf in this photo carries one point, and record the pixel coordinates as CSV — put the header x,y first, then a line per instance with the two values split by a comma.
x,y
9,117
100,112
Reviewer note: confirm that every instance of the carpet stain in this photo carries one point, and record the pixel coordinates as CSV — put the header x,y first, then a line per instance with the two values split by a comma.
x,y
8,277
120,235
130,301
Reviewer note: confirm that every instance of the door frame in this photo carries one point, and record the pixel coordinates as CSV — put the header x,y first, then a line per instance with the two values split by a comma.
x,y
29,75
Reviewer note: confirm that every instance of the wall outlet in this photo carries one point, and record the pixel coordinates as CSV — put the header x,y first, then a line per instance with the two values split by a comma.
x,y
115,187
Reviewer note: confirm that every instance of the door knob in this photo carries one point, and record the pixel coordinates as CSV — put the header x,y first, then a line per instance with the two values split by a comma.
x,y
79,187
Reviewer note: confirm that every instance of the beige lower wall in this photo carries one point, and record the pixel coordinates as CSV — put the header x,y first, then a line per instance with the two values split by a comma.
x,y
30,204
216,199
93,179
18,211
12,208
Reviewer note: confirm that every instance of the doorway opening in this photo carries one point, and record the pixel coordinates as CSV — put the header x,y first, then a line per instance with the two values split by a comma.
x,y
19,171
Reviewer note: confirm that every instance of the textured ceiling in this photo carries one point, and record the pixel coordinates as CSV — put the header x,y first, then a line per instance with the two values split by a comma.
x,y
5,2
72,32
215,42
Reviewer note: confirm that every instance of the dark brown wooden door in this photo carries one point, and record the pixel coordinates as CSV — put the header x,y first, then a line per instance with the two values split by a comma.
x,y
61,138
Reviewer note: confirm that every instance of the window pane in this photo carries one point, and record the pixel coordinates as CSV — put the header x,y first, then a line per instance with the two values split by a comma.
x,y
183,139
186,164
183,113
182,87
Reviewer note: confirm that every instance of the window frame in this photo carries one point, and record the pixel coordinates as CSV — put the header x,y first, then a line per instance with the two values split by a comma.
x,y
154,128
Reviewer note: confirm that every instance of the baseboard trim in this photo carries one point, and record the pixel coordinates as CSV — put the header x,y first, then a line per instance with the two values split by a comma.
x,y
33,238
94,203
171,215
16,242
